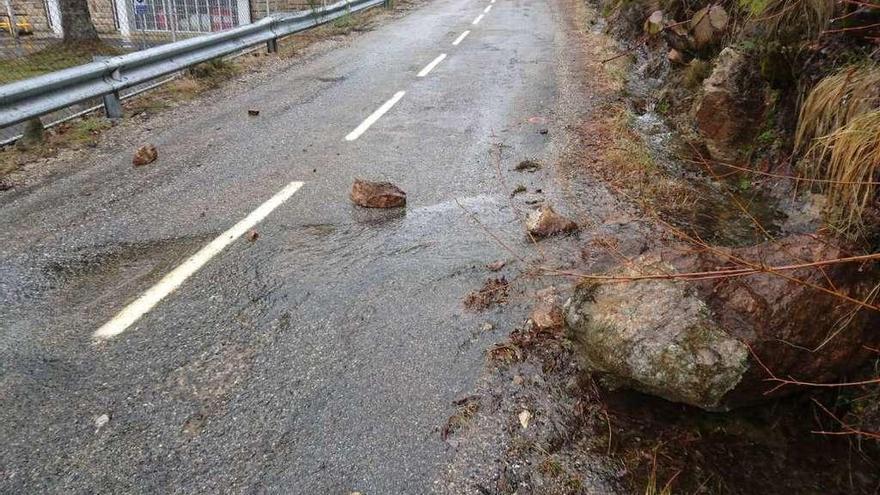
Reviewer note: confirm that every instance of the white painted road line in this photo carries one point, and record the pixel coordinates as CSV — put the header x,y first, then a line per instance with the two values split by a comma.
x,y
356,133
131,313
478,19
460,37
487,9
428,68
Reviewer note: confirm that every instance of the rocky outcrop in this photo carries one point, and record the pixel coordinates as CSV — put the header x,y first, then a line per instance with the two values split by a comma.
x,y
545,222
700,342
729,111
377,194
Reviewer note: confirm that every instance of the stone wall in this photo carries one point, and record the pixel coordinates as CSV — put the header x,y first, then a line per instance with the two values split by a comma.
x,y
35,13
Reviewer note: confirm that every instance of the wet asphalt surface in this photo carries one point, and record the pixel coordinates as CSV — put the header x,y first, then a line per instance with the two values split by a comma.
x,y
323,357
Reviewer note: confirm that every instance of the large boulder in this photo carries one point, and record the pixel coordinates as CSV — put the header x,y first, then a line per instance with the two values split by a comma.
x,y
731,106
706,343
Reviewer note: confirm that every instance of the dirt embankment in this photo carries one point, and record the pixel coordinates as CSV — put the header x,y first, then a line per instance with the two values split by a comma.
x,y
670,163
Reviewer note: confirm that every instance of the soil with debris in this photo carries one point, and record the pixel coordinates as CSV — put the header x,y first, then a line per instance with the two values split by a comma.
x,y
538,422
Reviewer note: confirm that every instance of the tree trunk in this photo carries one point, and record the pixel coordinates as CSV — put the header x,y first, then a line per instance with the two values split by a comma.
x,y
76,21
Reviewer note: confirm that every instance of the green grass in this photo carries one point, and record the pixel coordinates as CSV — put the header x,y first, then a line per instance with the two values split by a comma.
x,y
53,57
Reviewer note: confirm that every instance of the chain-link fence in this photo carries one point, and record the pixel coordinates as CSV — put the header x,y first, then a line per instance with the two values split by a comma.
x,y
40,36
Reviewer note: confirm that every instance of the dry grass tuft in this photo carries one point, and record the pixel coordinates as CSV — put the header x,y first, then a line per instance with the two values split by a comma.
x,y
839,135
784,18
835,101
852,154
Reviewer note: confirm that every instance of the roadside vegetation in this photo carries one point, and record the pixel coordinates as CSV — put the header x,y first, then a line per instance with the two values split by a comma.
x,y
55,56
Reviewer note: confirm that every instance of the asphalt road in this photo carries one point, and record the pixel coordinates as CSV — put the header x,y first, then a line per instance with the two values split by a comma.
x,y
324,356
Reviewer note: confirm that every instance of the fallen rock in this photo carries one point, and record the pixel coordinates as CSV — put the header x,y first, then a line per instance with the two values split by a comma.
x,y
496,265
547,313
144,155
102,420
252,235
731,107
545,222
377,194
527,166
524,417
675,56
253,113
697,342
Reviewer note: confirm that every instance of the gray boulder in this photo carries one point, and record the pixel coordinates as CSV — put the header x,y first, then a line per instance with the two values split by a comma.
x,y
656,337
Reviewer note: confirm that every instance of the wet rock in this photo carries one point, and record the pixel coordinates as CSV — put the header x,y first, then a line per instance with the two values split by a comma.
x,y
377,194
656,337
731,107
545,222
102,420
496,265
697,342
144,155
547,313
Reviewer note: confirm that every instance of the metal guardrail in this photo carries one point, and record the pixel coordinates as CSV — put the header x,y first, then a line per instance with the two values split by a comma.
x,y
29,98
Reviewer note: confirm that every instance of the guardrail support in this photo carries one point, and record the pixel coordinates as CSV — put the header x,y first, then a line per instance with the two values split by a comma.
x,y
272,45
112,105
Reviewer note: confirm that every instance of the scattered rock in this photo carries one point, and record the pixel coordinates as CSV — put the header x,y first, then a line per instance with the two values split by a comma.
x,y
102,420
543,131
144,155
524,417
194,424
377,194
527,166
518,189
252,235
533,199
496,265
518,380
731,107
697,342
654,22
487,327
547,313
545,222
253,113
676,57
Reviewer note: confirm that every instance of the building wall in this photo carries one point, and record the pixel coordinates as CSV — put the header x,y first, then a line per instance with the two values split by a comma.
x,y
102,16
258,7
35,13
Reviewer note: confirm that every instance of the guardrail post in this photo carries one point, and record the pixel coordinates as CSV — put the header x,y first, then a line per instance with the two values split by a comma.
x,y
272,45
112,105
